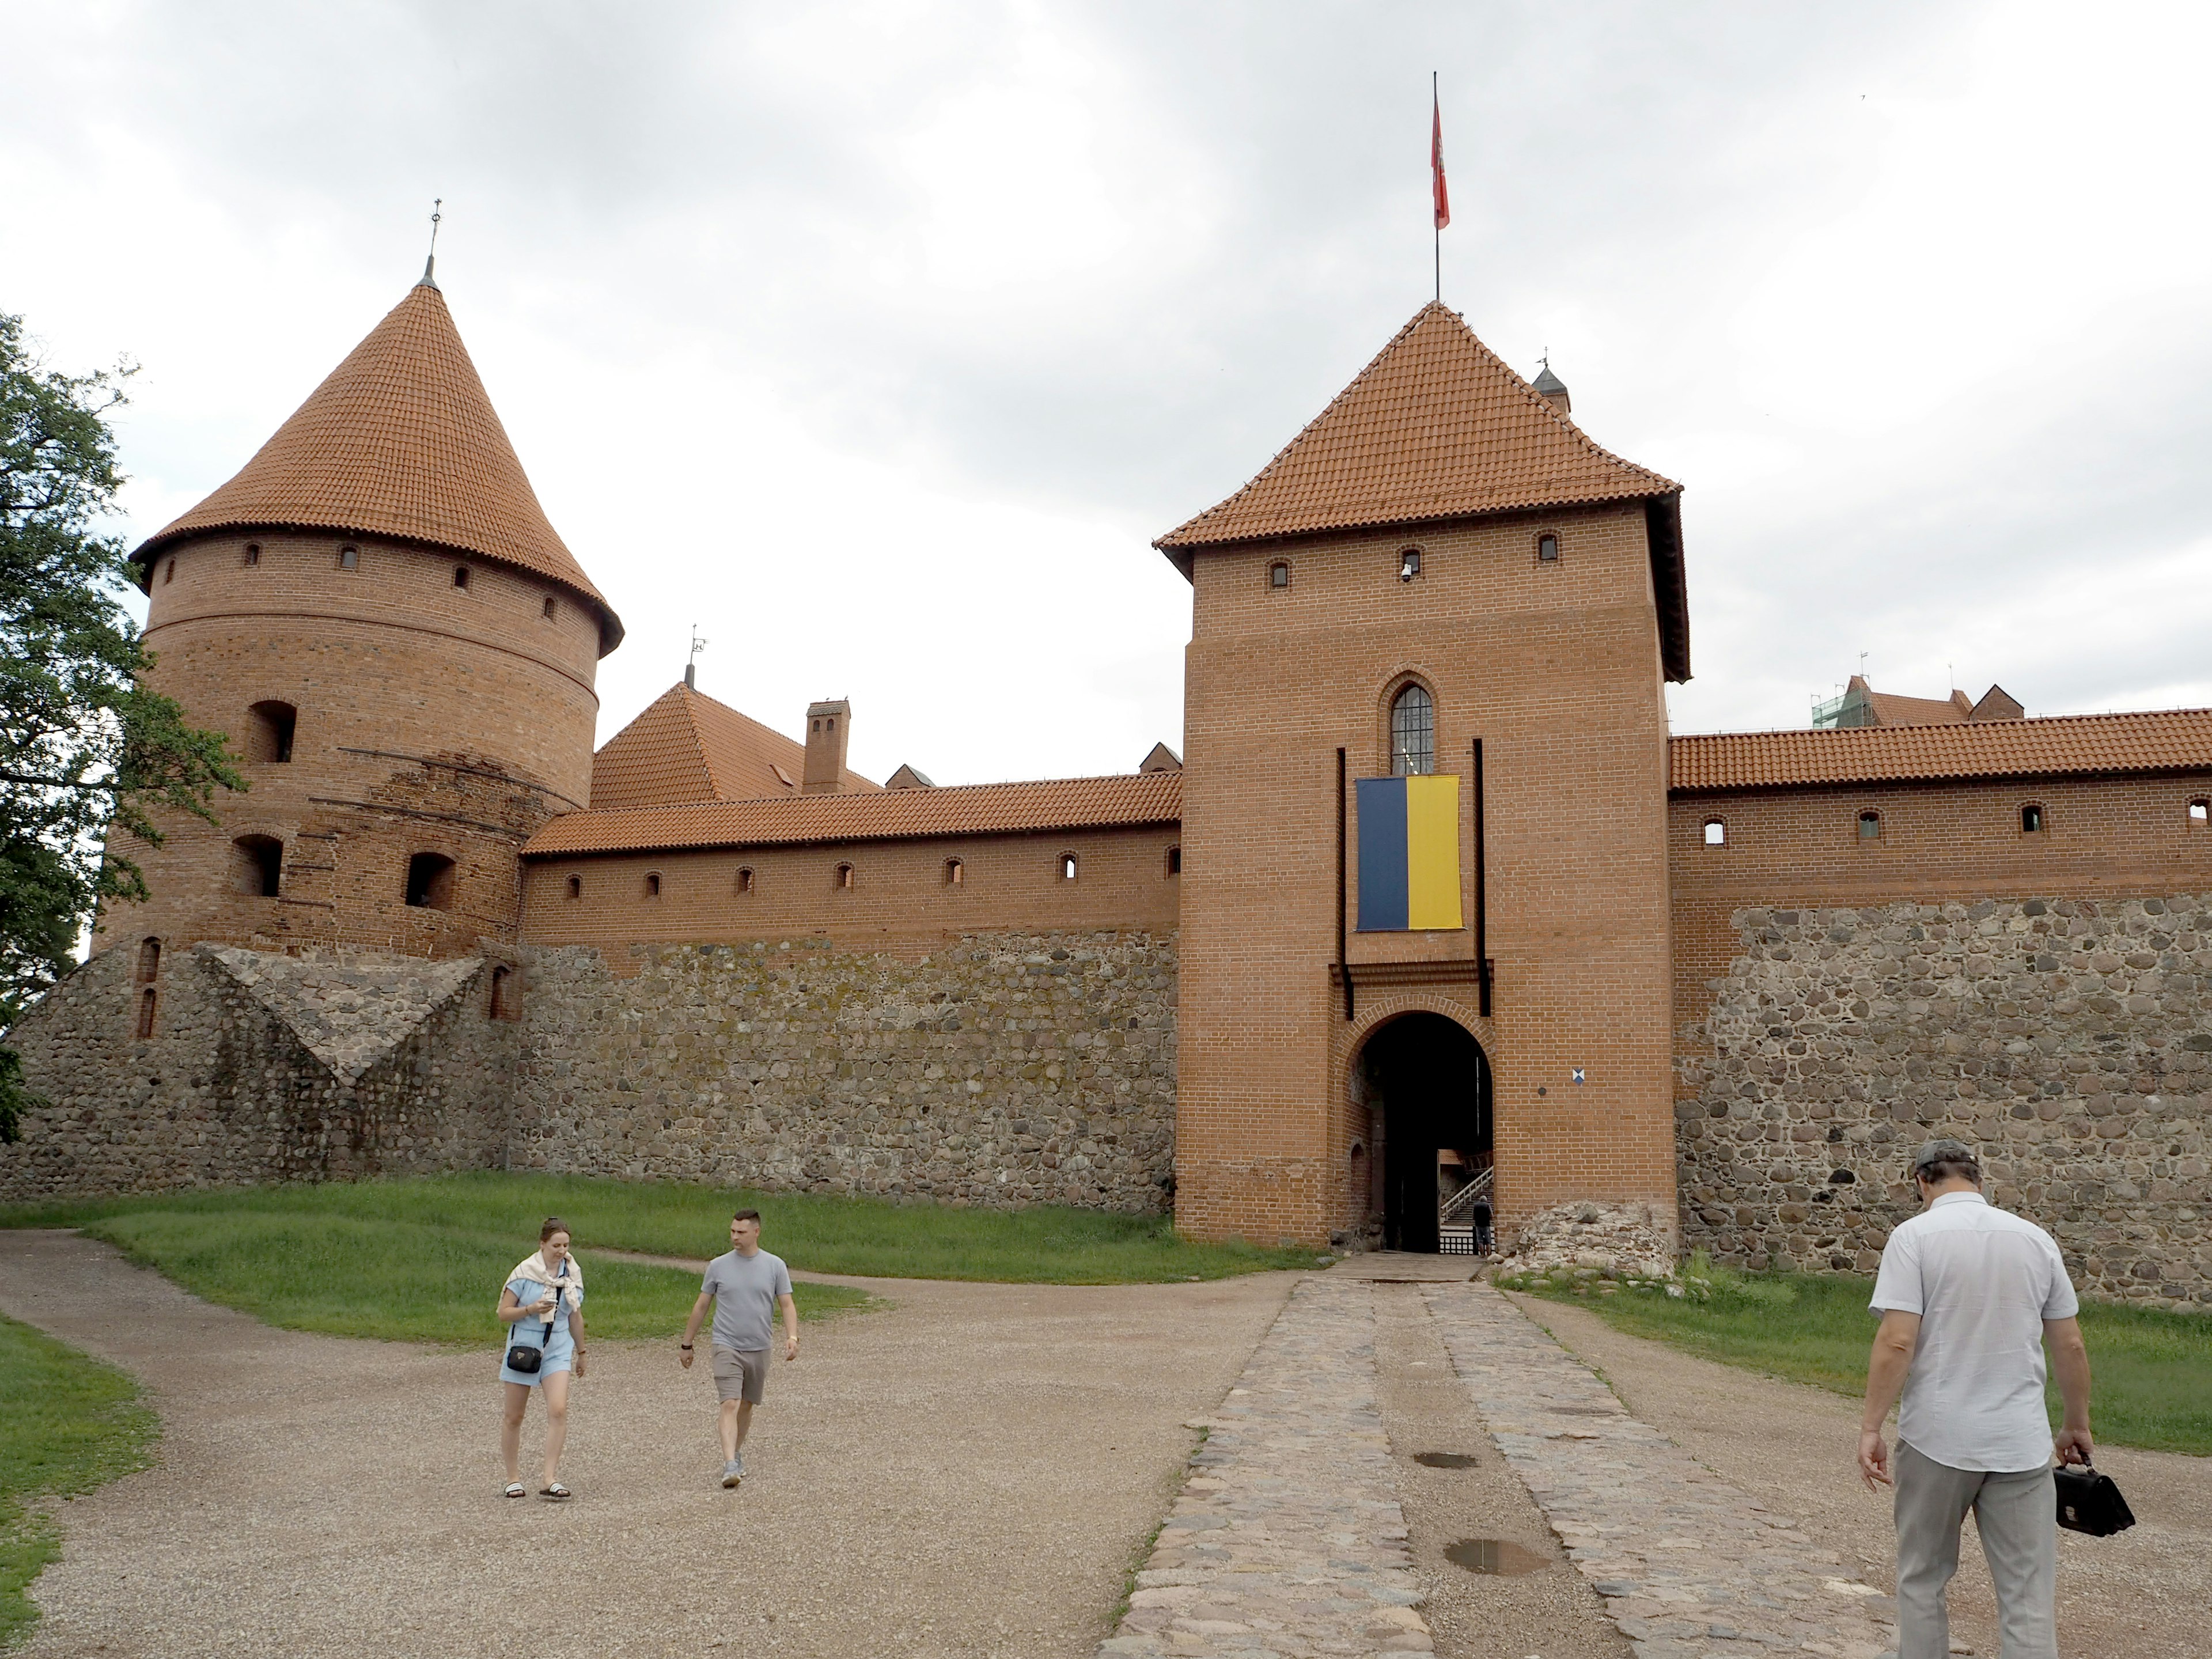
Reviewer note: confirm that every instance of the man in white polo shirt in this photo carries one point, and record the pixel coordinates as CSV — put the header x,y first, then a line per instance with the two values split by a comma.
x,y
1968,1295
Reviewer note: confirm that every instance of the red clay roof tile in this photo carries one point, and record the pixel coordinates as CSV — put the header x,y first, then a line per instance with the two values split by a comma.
x,y
687,747
1435,427
399,439
2156,741
983,809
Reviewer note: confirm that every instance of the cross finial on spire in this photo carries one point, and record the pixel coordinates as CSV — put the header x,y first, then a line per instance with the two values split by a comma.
x,y
430,265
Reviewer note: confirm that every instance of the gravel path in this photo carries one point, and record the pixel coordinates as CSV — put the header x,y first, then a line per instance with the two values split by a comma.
x,y
2141,1593
971,1472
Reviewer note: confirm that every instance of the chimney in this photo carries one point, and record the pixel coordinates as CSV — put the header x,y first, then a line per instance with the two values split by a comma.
x,y
827,725
1553,390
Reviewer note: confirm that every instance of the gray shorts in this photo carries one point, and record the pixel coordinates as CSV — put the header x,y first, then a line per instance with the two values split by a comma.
x,y
740,1373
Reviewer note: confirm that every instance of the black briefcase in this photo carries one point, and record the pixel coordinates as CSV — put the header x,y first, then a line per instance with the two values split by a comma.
x,y
2090,1502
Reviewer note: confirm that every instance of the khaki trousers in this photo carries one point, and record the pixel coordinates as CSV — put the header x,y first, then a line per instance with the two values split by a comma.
x,y
2017,1516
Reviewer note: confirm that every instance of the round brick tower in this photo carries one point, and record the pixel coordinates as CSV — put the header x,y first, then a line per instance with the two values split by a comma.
x,y
401,648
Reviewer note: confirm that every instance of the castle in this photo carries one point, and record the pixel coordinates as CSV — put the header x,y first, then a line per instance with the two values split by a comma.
x,y
1430,887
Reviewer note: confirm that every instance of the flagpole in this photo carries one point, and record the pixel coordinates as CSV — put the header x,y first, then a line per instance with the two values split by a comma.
x,y
1436,231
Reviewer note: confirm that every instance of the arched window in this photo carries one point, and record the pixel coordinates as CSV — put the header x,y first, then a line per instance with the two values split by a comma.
x,y
270,736
146,999
1716,833
149,960
956,873
745,879
575,887
258,862
502,998
844,877
254,552
460,575
430,881
653,883
2200,814
552,608
2032,819
349,558
1412,733
1869,825
1066,867
1175,860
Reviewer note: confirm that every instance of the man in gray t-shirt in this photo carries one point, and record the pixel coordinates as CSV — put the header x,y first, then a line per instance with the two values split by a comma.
x,y
746,1288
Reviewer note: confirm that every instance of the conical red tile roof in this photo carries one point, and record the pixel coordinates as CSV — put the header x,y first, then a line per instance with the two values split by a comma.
x,y
1437,427
401,440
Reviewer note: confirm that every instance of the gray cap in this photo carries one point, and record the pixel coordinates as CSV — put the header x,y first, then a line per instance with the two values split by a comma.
x,y
1942,1150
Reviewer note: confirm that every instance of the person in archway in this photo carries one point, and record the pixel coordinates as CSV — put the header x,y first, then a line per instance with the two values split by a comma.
x,y
746,1288
1481,1217
543,1307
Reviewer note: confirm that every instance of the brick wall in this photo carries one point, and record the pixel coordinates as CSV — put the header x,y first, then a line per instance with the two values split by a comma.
x,y
993,1069
1556,666
226,1091
2039,995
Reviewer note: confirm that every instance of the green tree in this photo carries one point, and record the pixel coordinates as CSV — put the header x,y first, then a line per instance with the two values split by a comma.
x,y
85,748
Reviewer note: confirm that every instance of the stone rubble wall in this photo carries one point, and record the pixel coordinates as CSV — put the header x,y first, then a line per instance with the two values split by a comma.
x,y
2069,1041
226,1092
998,1070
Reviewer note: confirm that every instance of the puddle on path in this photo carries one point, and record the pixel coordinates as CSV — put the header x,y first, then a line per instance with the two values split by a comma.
x,y
1445,1460
1494,1555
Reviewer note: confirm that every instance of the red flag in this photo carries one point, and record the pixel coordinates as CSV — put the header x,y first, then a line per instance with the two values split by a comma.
x,y
1436,165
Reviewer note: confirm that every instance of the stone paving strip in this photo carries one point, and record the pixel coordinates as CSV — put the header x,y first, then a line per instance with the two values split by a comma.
x,y
1287,1539
1689,1566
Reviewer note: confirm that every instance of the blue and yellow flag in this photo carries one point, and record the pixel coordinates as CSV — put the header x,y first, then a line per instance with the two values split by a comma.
x,y
1408,854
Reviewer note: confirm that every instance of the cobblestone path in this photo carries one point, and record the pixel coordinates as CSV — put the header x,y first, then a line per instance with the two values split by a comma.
x,y
1287,1539
1690,1567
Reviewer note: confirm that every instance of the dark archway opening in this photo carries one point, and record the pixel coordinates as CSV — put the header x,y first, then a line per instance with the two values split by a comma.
x,y
1428,1087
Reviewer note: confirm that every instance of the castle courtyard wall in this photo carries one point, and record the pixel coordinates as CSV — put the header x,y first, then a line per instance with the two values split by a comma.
x,y
994,1069
2042,996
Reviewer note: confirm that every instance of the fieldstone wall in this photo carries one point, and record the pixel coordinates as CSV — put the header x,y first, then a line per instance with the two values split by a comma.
x,y
2069,1041
261,1067
1002,1069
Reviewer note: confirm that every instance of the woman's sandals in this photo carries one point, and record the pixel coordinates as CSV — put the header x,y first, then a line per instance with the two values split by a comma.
x,y
557,1491
516,1489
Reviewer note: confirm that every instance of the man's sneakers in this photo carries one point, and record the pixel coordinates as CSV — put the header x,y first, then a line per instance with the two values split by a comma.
x,y
733,1471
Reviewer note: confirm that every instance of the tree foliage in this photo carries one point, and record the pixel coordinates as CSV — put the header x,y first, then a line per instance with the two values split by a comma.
x,y
86,749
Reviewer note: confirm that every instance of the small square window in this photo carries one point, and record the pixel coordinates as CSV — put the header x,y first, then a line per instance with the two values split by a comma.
x,y
1869,826
1409,564
1716,833
1548,548
349,558
2200,812
460,575
745,879
844,877
653,883
1279,574
2031,820
254,552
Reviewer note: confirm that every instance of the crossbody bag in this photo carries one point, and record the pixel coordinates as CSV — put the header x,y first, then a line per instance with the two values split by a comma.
x,y
524,1357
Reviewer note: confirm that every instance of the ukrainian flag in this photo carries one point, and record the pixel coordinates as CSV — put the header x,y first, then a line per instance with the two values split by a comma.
x,y
1408,854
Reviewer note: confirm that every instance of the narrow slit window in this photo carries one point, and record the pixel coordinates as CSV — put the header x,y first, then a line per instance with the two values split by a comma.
x,y
653,883
1175,860
552,607
502,997
254,552
169,572
429,882
1548,548
1716,832
146,999
745,879
460,575
2031,819
1068,867
149,960
844,877
575,887
1869,826
1279,574
1412,733
956,873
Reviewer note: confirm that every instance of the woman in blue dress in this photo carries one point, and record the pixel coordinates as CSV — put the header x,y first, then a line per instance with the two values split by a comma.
x,y
543,1307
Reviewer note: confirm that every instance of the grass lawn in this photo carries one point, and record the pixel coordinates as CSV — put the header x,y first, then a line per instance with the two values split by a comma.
x,y
67,1424
421,1260
2151,1370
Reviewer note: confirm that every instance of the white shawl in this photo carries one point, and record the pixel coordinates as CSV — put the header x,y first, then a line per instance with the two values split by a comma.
x,y
571,1288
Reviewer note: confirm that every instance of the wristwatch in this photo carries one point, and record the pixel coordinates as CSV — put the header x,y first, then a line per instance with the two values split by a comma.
x,y
686,1346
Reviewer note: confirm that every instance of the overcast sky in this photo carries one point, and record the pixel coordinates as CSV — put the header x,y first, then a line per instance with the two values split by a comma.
x,y
879,341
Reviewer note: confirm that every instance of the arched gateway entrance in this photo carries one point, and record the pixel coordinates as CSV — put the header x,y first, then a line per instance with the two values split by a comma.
x,y
1425,1083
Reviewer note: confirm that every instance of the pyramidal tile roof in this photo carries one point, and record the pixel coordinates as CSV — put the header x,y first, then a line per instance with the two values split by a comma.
x,y
686,748
1437,427
399,439
981,809
2168,740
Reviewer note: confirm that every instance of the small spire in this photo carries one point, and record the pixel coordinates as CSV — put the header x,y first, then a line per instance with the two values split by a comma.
x,y
1552,389
430,265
